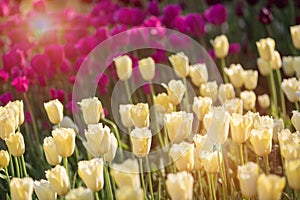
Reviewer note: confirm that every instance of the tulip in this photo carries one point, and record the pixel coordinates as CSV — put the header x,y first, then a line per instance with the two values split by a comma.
x,y
80,194
221,46
292,169
198,74
92,110
264,101
91,172
15,144
207,119
113,146
59,180
249,99
276,62
180,186
163,103
183,156
179,125
288,65
266,48
4,159
296,120
64,139
264,67
43,190
295,32
226,92
124,111
290,151
210,161
261,140
176,90
262,122
54,111
270,187
51,154
240,127
8,123
126,174
247,175
141,141
289,87
127,192
235,73
124,67
277,128
250,78
296,66
234,106
180,63
201,106
19,110
21,188
199,141
147,68
139,115
209,89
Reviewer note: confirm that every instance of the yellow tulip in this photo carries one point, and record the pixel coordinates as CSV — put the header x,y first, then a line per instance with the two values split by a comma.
x,y
198,74
180,186
21,188
147,68
270,187
295,32
264,67
18,106
183,156
180,63
201,106
64,139
163,103
59,180
290,87
199,141
247,176
250,79
226,92
139,115
240,127
124,111
209,89
249,99
277,128
141,141
221,46
292,169
234,106
4,159
92,110
266,48
276,62
52,157
261,140
113,146
288,65
296,65
80,194
43,190
264,101
8,123
210,161
176,90
54,109
15,144
127,192
124,67
296,120
235,74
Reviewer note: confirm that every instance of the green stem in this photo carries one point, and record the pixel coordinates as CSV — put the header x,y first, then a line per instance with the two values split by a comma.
x,y
107,181
142,177
273,92
35,130
267,165
24,166
213,186
186,98
221,163
112,181
282,99
96,196
241,154
223,63
65,161
200,184
17,166
21,167
297,105
210,186
128,91
11,166
149,177
7,178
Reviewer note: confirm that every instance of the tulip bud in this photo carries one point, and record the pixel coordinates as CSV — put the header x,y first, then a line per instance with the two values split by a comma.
x,y
124,111
210,161
124,67
201,106
127,192
199,141
43,190
15,144
296,66
234,106
147,68
289,87
8,123
266,48
139,115
209,89
276,62
226,92
4,159
288,65
163,103
264,67
240,127
180,63
59,180
198,74
247,175
21,188
80,194
18,106
295,32
296,120
64,139
179,125
207,120
250,78
113,146
270,187
183,156
126,174
221,46
264,101
292,169
261,140
235,74
176,90
180,186
277,128
54,111
91,172
51,154
249,99
141,141
92,110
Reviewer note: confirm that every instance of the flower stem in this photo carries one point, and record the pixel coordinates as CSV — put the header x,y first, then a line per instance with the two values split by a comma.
x,y
210,187
96,196
65,161
223,63
297,105
273,92
128,91
7,177
267,165
149,177
21,167
241,154
32,116
11,165
282,99
107,181
142,177
213,186
17,166
24,165
200,184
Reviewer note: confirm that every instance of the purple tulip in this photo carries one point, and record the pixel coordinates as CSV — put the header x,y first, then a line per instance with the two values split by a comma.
x,y
156,25
180,24
160,56
13,58
57,94
153,8
170,12
65,67
40,64
146,88
21,84
3,76
216,14
28,117
196,24
239,9
72,107
101,34
56,54
4,9
86,45
234,48
5,98
265,15
178,42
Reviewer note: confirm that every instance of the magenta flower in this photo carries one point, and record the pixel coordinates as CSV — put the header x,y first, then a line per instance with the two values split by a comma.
x,y
196,24
86,45
265,15
5,98
28,117
56,54
21,84
146,88
179,42
170,12
234,48
49,37
153,8
17,35
160,56
71,51
66,66
13,58
40,64
216,14
103,83
72,107
130,16
16,72
39,5
3,76
57,94
4,9
180,24
156,25
101,34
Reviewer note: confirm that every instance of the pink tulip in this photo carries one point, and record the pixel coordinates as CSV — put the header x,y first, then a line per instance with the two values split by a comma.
x,y
3,76
56,54
5,98
21,84
40,64
216,14
28,117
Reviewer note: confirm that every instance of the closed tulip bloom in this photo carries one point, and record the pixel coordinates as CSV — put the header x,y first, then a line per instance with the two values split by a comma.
x,y
210,161
207,120
277,128
289,87
183,156
124,111
80,194
209,89
179,125
288,65
234,106
264,101
147,68
8,123
124,67
261,140
295,33
59,180
21,188
235,74
201,106
276,62
43,190
264,67
126,174
296,120
297,66
262,122
198,74
54,109
91,172
139,115
290,151
64,139
141,141
226,92
292,169
180,63
4,159
19,108
127,192
52,157
176,90
247,175
249,99
180,186
266,48
221,46
199,141
163,103
240,127
270,187
92,110
15,144
113,146
250,79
